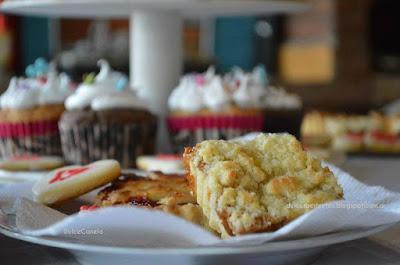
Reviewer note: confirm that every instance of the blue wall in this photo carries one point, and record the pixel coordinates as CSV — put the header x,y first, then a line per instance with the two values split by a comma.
x,y
235,42
34,39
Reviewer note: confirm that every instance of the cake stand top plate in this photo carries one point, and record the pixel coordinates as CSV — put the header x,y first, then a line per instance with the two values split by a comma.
x,y
124,8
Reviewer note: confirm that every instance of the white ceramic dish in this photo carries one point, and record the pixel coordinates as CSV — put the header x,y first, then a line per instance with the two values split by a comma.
x,y
301,251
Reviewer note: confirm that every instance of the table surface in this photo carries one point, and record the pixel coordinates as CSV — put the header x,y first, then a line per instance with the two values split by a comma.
x,y
381,249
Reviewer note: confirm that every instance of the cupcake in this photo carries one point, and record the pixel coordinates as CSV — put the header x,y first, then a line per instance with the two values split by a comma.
x,y
30,110
282,110
208,106
106,120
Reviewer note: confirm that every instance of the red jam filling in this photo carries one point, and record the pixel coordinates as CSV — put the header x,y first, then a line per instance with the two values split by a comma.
x,y
356,136
142,201
385,137
88,207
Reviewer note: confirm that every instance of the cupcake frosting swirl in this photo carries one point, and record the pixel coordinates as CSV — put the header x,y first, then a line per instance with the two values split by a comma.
x,y
215,95
30,92
125,99
20,94
56,89
278,98
108,90
249,94
187,96
246,90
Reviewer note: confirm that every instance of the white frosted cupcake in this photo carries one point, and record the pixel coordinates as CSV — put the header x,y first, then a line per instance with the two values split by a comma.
x,y
209,106
106,120
206,106
30,110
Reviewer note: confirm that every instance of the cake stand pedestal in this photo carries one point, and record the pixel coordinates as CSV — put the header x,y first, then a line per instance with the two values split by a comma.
x,y
156,55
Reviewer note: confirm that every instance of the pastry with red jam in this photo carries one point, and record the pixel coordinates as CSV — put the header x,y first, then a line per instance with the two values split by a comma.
x,y
387,140
348,132
168,193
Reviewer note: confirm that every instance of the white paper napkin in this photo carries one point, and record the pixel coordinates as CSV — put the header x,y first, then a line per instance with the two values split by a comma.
x,y
364,206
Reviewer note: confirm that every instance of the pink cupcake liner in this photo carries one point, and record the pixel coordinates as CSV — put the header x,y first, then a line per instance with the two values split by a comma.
x,y
24,129
187,131
254,123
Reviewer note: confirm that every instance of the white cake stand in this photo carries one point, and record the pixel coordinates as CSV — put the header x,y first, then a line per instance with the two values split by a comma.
x,y
156,42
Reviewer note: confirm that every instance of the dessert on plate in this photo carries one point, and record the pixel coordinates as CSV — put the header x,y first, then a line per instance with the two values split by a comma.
x,y
257,186
232,187
30,110
168,193
106,120
156,191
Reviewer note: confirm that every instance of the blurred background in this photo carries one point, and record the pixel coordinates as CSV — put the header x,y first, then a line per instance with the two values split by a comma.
x,y
351,49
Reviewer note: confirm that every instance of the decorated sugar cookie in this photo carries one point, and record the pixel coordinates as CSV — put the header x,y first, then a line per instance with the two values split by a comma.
x,y
72,181
31,163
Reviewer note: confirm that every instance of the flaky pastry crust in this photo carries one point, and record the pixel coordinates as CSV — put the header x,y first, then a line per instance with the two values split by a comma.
x,y
257,186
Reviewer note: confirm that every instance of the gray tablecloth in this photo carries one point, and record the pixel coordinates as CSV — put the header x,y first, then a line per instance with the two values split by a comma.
x,y
381,249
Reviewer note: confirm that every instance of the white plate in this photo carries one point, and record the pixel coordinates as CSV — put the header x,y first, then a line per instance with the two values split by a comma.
x,y
300,251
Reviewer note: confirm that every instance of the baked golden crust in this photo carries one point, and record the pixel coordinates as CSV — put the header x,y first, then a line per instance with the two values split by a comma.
x,y
313,124
40,113
159,190
259,185
169,193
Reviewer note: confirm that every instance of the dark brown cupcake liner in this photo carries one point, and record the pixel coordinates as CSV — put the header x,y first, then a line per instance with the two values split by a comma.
x,y
48,144
85,143
281,120
185,137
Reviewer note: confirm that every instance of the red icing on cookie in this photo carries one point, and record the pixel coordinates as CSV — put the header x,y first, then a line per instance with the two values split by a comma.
x,y
67,173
